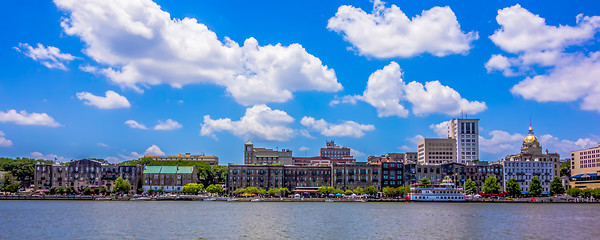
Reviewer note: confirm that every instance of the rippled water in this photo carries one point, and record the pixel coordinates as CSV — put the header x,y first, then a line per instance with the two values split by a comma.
x,y
263,220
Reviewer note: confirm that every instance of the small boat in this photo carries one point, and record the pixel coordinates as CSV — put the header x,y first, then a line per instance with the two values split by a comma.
x,y
209,199
103,199
140,199
232,199
360,200
256,200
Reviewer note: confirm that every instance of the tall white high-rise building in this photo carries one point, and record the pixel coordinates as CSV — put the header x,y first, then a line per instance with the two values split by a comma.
x,y
466,133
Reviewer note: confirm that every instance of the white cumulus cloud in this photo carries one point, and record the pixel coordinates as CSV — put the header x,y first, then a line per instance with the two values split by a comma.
x,y
154,150
169,124
259,122
303,148
24,118
3,141
414,140
135,124
501,142
561,75
389,33
344,129
142,46
440,129
52,157
49,56
112,100
388,93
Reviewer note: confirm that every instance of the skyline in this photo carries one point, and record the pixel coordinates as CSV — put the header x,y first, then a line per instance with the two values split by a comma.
x,y
207,77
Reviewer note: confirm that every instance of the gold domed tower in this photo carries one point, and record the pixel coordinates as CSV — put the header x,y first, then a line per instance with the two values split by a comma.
x,y
531,144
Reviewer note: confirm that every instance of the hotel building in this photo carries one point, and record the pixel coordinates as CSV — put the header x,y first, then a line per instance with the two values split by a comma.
x,y
585,167
254,155
212,160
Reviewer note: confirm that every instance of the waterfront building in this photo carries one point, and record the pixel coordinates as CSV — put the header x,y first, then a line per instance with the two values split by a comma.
x,y
585,168
392,172
531,162
212,160
436,150
82,174
360,174
254,155
339,154
466,134
309,178
168,178
110,173
457,172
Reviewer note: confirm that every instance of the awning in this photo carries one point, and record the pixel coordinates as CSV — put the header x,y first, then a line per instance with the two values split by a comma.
x,y
524,192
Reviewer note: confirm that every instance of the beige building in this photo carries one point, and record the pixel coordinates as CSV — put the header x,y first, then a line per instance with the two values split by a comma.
x,y
585,167
212,160
436,150
411,157
254,155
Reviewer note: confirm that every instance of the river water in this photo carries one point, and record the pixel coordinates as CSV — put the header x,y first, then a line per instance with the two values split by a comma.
x,y
289,220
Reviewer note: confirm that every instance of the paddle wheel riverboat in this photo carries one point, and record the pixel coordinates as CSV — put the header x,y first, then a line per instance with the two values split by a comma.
x,y
445,192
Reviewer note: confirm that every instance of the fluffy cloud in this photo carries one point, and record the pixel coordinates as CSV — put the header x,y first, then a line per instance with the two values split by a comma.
x,y
103,145
24,118
389,33
143,46
154,150
49,56
53,157
170,124
112,100
387,92
405,148
3,141
134,124
414,140
537,44
440,129
565,146
345,129
259,122
356,154
501,142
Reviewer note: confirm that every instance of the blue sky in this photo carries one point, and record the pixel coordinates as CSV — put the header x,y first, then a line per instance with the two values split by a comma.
x,y
82,79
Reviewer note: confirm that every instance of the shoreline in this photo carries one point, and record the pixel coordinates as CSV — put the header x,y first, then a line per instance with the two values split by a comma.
x,y
224,199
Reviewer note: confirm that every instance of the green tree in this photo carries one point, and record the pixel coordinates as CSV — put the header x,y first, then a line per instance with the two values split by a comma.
x,y
586,193
535,186
348,192
596,193
87,191
150,191
191,188
9,183
52,190
392,192
469,187
215,189
556,186
425,181
512,187
565,168
284,192
326,190
491,185
60,190
371,190
121,185
359,191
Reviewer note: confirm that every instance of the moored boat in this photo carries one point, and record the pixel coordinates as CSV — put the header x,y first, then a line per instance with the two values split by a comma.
x,y
445,192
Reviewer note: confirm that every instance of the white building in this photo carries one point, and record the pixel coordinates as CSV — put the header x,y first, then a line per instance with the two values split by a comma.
x,y
466,133
531,162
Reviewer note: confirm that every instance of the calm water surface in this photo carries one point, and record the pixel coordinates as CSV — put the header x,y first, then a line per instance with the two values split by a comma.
x,y
262,220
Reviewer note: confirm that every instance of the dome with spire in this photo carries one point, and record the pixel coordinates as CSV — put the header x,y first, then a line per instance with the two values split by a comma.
x,y
530,137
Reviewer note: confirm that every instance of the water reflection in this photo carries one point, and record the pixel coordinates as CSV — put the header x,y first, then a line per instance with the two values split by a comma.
x,y
262,220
